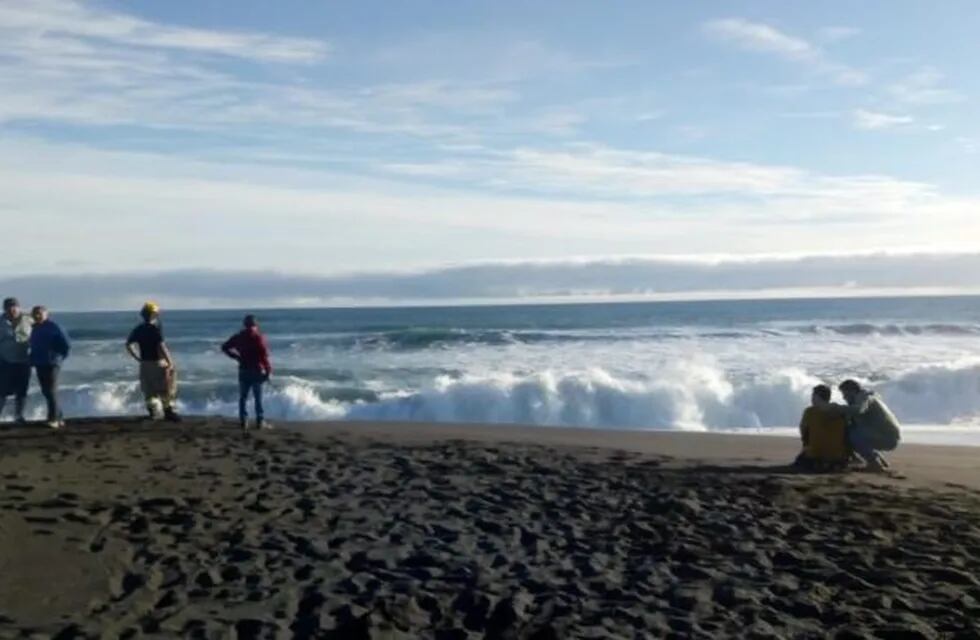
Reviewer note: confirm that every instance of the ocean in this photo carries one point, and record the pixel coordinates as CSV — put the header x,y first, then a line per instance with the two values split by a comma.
x,y
716,366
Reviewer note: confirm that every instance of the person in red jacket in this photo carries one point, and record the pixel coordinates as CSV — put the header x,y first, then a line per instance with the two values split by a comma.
x,y
249,348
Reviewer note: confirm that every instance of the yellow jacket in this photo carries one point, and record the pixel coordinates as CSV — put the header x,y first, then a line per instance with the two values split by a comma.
x,y
824,435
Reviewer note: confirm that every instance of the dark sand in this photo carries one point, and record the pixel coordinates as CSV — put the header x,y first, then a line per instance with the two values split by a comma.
x,y
411,531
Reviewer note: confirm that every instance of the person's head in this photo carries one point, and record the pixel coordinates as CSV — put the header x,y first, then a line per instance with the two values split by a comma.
x,y
39,314
850,389
250,322
820,395
11,307
150,312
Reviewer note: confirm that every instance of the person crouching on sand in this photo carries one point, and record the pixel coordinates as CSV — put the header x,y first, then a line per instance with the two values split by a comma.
x,y
158,376
49,348
873,427
824,435
15,364
250,349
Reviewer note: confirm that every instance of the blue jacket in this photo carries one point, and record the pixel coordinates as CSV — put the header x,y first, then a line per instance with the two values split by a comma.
x,y
49,345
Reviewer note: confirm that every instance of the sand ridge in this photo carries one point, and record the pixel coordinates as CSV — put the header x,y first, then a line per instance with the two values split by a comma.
x,y
133,530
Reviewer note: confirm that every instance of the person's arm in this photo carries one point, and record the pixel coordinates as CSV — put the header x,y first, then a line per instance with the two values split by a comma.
x,y
230,350
22,334
63,343
131,344
805,429
839,410
264,356
166,356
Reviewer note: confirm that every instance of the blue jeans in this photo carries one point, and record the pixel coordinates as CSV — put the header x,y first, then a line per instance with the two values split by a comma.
x,y
250,381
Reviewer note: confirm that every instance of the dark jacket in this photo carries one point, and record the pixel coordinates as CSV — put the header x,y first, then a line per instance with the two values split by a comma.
x,y
251,349
49,345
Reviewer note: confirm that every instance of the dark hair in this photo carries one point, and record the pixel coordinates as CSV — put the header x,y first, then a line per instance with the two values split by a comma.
x,y
822,391
850,386
10,302
249,321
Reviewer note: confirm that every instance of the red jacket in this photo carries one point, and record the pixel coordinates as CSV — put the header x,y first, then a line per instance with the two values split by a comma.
x,y
252,350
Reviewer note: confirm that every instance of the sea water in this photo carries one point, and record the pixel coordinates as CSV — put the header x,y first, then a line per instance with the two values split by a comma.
x,y
719,365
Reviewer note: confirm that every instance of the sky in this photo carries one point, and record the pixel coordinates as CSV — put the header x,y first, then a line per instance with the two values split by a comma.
x,y
304,153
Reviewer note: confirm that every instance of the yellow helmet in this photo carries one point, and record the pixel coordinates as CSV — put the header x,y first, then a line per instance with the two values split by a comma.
x,y
150,309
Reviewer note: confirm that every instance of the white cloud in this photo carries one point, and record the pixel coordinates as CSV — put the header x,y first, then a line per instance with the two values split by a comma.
x,y
67,62
924,87
69,23
85,204
683,181
968,145
764,38
838,33
875,120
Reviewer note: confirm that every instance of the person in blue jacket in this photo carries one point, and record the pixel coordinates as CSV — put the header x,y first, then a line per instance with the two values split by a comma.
x,y
49,348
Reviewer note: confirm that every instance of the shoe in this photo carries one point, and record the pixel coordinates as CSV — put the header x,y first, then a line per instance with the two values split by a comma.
x,y
243,424
171,416
263,425
875,465
55,424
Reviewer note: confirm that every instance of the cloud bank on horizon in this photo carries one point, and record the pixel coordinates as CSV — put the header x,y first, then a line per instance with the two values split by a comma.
x,y
631,278
170,138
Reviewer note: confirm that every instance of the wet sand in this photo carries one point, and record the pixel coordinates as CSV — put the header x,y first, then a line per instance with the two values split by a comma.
x,y
131,529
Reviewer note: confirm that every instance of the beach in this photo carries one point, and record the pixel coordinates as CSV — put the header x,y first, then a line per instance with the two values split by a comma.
x,y
126,528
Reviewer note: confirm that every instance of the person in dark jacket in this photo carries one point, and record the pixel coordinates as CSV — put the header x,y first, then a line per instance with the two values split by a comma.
x,y
248,347
158,375
49,348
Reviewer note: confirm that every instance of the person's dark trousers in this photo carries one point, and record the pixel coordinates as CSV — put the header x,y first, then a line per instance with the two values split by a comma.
x,y
15,378
47,377
250,381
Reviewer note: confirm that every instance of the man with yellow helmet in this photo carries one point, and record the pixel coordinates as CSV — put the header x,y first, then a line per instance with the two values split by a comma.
x,y
158,376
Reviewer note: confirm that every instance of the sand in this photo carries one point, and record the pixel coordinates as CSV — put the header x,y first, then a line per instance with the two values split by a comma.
x,y
131,529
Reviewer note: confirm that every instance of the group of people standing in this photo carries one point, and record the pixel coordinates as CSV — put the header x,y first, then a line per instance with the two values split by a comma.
x,y
37,342
29,343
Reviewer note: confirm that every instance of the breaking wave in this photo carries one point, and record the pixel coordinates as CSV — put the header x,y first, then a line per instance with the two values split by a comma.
x,y
688,396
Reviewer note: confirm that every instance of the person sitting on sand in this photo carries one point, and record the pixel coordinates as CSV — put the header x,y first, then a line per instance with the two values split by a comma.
x,y
15,365
249,348
823,433
49,348
158,376
872,427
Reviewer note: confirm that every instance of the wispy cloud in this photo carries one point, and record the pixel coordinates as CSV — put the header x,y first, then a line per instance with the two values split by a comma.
x,y
837,33
70,22
763,38
479,203
623,174
924,87
67,62
876,120
643,276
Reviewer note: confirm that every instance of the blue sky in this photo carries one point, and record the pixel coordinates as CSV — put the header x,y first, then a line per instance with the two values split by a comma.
x,y
331,138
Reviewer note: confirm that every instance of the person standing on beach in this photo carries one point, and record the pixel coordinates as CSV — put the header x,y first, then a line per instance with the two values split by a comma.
x,y
872,428
49,348
158,376
249,348
15,365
